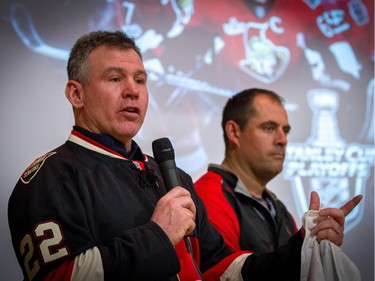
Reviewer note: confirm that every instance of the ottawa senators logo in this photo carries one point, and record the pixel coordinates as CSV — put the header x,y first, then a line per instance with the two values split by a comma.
x,y
34,168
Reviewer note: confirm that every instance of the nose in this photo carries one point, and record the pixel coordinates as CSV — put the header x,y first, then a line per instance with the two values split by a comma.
x,y
281,137
131,89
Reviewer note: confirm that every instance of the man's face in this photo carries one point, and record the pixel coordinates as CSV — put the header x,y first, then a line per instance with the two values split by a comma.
x,y
116,97
264,139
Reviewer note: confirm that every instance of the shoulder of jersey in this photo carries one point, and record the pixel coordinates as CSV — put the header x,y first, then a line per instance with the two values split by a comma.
x,y
35,167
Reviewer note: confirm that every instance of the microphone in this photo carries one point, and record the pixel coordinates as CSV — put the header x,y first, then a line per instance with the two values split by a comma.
x,y
164,156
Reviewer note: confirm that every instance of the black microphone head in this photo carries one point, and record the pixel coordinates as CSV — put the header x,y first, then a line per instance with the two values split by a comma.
x,y
162,149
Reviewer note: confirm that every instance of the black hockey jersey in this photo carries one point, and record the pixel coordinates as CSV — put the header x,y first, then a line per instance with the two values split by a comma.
x,y
82,212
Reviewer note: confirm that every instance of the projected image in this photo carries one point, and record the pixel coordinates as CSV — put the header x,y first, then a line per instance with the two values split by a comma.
x,y
196,57
317,54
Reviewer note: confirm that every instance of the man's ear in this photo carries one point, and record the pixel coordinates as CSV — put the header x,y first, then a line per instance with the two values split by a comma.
x,y
74,93
233,132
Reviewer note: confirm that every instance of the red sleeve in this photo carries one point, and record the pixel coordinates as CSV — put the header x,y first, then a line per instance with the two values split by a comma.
x,y
219,211
62,273
224,268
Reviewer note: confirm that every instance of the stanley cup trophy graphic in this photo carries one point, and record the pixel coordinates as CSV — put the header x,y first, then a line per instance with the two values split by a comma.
x,y
326,163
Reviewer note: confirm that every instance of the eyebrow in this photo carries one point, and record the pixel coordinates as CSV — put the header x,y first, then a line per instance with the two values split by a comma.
x,y
121,70
286,128
142,72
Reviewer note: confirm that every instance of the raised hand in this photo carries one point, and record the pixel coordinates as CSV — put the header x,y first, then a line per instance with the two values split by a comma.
x,y
331,221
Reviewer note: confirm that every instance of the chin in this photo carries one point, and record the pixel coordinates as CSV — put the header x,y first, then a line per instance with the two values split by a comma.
x,y
277,170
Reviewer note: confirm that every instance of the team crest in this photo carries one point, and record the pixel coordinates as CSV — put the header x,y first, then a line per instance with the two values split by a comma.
x,y
34,168
263,60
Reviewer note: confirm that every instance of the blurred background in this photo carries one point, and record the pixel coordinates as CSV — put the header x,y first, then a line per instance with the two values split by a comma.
x,y
318,55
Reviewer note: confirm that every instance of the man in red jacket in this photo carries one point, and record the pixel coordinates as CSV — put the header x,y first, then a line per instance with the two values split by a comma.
x,y
247,214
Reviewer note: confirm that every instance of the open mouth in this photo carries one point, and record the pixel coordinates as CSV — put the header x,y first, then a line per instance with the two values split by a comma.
x,y
131,110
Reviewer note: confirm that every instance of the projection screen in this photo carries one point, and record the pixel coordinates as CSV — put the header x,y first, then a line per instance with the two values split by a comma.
x,y
318,55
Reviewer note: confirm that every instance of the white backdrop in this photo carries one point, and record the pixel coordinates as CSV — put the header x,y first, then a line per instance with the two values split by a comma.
x,y
319,55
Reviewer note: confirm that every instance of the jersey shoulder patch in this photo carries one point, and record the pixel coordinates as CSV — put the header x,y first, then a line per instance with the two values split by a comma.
x,y
34,168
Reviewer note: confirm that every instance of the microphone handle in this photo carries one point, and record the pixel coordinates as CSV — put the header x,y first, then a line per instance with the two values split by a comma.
x,y
170,174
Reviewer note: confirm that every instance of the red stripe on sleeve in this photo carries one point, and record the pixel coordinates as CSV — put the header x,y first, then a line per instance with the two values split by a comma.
x,y
62,273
